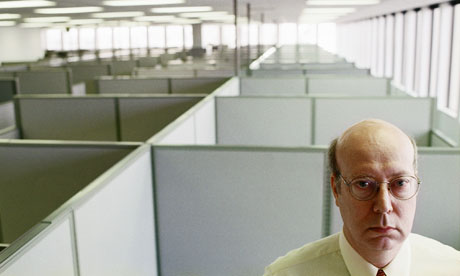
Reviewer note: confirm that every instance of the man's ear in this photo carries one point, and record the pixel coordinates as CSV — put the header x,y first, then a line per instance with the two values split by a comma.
x,y
334,188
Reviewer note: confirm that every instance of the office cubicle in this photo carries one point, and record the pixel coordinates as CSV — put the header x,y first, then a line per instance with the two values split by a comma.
x,y
8,88
154,85
87,205
87,72
98,118
45,81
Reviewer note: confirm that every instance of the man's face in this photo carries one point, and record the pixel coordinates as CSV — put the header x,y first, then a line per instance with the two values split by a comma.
x,y
383,222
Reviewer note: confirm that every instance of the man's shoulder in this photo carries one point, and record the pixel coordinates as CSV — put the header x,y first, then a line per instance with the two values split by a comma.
x,y
313,257
429,254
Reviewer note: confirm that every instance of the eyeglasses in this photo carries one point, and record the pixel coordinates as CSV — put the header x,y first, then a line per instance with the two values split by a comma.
x,y
365,188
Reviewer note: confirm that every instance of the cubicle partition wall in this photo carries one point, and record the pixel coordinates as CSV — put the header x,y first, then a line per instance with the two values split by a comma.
x,y
337,85
87,72
45,81
88,217
123,67
99,118
150,85
231,211
8,88
304,121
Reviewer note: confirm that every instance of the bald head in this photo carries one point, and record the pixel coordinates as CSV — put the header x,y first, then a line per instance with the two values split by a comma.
x,y
373,136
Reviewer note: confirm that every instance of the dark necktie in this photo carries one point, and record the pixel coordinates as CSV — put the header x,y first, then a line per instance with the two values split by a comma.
x,y
380,273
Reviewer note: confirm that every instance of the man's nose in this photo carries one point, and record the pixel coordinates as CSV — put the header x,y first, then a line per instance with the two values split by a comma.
x,y
382,201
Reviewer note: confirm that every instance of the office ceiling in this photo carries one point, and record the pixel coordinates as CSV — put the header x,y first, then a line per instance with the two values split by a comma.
x,y
270,11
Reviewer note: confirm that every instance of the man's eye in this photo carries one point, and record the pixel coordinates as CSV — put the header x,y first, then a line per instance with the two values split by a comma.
x,y
363,184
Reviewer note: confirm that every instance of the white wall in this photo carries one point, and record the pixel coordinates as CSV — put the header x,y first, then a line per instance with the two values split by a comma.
x,y
18,44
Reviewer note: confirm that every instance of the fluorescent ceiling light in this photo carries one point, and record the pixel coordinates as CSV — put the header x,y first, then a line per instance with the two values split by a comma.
x,y
203,14
341,2
164,18
46,19
117,14
7,23
125,3
25,4
328,10
68,10
35,25
85,21
181,9
9,16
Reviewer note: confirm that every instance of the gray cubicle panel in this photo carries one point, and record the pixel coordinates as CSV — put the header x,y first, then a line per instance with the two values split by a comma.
x,y
347,85
217,73
8,88
252,86
123,67
37,178
344,71
195,85
231,211
273,121
86,73
447,127
148,61
335,114
7,117
438,201
141,117
278,72
164,73
67,118
49,81
132,85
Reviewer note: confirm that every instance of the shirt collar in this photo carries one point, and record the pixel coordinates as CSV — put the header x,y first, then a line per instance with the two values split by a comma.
x,y
357,265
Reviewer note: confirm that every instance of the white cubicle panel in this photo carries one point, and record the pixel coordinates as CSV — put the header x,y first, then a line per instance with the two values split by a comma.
x,y
273,86
44,82
130,85
68,118
438,201
195,85
333,115
347,85
205,123
265,121
219,73
447,126
115,231
49,253
278,73
37,178
232,211
142,117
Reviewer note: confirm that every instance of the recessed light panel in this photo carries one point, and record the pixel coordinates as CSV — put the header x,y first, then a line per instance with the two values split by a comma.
x,y
68,10
341,2
47,19
4,16
165,18
26,4
7,23
182,9
125,3
117,14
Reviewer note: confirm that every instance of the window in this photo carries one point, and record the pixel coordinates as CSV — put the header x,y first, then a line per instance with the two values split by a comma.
x,y
422,65
210,35
228,35
445,44
454,91
398,52
157,37
174,36
139,37
54,39
410,19
287,33
307,33
380,47
389,45
104,38
87,39
435,52
188,36
268,34
327,36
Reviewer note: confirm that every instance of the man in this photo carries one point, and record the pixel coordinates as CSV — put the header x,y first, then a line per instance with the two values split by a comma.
x,y
375,184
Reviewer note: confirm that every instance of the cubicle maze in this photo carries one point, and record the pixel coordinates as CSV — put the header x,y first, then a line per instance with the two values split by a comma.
x,y
99,118
231,211
304,121
150,85
90,206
